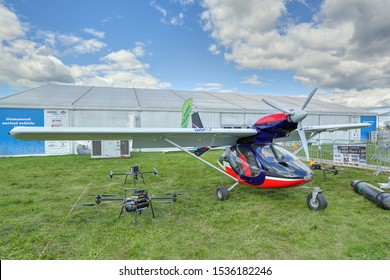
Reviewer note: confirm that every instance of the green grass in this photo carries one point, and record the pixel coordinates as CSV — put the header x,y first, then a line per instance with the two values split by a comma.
x,y
38,193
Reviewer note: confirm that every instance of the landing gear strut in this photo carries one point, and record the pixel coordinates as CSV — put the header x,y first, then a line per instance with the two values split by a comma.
x,y
222,193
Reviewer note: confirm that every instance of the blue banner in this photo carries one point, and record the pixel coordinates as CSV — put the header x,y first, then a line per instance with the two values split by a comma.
x,y
365,131
10,118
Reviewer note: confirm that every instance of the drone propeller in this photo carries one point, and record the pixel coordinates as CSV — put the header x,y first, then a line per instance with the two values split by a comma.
x,y
165,199
104,194
296,116
105,197
86,204
179,193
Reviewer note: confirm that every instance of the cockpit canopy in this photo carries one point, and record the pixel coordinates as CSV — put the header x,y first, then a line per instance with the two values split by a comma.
x,y
279,162
249,161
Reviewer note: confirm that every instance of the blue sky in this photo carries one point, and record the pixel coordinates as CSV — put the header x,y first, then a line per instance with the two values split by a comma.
x,y
272,47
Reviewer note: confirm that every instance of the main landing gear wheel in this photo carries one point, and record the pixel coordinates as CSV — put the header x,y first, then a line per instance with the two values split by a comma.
x,y
316,200
222,193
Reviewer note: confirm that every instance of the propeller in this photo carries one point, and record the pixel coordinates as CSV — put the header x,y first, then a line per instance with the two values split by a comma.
x,y
104,194
86,204
296,116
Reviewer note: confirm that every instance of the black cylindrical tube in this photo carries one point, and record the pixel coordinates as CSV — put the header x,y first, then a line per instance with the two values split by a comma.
x,y
383,200
376,195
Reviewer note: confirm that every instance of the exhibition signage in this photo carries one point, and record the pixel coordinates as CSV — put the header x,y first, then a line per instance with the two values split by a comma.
x,y
57,118
350,155
10,118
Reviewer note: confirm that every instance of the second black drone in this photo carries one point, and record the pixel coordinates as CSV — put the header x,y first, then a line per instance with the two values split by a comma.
x,y
138,201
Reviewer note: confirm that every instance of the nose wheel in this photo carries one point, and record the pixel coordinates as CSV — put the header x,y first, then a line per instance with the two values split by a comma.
x,y
316,200
222,193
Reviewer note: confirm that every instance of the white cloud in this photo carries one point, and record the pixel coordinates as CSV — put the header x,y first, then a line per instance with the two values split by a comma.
x,y
344,47
252,80
214,49
121,68
177,20
209,87
94,32
159,8
124,59
89,46
74,45
27,63
139,49
375,98
67,39
185,2
167,18
10,26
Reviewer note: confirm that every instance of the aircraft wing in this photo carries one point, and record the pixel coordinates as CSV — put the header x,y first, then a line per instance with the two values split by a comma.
x,y
314,130
142,137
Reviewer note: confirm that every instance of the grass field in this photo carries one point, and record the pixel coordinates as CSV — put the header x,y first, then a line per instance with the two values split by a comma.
x,y
38,222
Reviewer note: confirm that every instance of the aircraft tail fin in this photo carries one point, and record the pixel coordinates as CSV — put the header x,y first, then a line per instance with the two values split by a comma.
x,y
196,121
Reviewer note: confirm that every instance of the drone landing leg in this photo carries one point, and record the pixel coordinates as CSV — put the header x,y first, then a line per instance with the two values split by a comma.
x,y
125,179
121,212
135,218
205,162
151,208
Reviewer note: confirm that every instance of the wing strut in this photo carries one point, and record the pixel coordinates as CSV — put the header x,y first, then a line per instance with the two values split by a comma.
x,y
303,145
204,161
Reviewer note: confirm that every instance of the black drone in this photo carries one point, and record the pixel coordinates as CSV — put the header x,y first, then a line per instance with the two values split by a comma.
x,y
138,201
136,172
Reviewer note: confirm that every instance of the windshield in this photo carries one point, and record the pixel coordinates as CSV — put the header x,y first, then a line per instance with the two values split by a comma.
x,y
278,162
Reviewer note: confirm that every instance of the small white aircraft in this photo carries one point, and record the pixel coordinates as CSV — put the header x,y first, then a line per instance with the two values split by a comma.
x,y
251,159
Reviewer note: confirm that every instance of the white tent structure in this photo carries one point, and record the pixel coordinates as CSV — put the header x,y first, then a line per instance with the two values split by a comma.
x,y
83,106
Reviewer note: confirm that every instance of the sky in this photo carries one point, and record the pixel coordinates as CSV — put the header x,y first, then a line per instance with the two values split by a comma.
x,y
271,47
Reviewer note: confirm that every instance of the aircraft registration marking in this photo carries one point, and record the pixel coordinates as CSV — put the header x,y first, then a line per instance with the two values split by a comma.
x,y
202,129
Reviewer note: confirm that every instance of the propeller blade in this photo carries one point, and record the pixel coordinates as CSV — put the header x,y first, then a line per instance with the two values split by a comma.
x,y
104,194
86,204
309,98
180,193
277,107
303,140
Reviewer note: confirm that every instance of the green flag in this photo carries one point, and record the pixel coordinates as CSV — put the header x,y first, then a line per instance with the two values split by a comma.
x,y
186,112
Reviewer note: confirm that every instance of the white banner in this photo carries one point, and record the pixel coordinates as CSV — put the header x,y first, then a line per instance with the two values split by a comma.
x,y
57,118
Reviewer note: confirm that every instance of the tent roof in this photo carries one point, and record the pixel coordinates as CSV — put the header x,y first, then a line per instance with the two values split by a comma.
x,y
54,96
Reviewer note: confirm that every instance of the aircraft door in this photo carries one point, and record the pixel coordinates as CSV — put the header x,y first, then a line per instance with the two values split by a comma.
x,y
245,164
